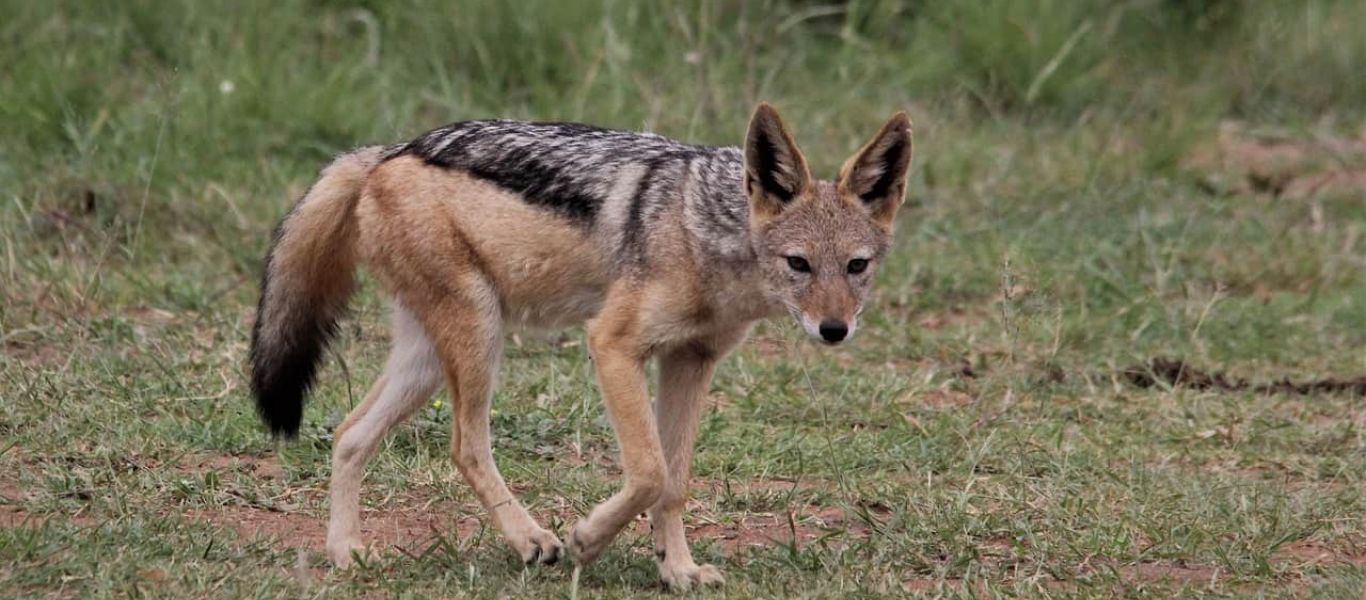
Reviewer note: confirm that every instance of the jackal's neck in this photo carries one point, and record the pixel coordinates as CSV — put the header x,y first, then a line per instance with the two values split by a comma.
x,y
716,221
715,210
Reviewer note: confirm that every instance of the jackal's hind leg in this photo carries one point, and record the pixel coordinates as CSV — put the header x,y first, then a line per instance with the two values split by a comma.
x,y
470,342
411,375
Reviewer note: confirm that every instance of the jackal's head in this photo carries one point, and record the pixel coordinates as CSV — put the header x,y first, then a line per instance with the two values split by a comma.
x,y
819,242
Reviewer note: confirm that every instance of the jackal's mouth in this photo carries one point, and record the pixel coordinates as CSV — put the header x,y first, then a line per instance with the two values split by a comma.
x,y
801,320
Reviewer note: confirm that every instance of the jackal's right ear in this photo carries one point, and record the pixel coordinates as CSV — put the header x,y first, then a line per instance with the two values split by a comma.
x,y
775,170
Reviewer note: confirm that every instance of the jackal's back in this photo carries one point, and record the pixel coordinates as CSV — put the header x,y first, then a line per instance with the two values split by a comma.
x,y
551,214
615,183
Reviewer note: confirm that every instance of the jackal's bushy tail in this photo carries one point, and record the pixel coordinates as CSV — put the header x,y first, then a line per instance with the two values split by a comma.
x,y
310,272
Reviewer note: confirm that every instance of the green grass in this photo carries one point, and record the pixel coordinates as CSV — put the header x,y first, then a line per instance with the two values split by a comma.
x,y
975,438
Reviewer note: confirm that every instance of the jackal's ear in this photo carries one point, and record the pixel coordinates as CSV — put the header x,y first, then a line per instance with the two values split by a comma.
x,y
775,170
876,174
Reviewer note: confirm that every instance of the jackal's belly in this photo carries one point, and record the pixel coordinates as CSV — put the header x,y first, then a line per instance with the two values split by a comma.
x,y
566,308
545,278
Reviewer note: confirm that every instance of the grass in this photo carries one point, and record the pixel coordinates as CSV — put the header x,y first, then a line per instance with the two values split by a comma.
x,y
977,438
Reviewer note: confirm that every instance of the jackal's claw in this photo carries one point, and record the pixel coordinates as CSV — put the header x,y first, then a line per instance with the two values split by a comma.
x,y
685,577
544,556
544,549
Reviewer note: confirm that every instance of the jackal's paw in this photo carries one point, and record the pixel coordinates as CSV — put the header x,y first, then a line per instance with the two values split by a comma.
x,y
538,546
344,553
584,544
686,576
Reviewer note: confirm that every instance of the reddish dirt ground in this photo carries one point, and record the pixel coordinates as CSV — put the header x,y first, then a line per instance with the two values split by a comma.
x,y
411,524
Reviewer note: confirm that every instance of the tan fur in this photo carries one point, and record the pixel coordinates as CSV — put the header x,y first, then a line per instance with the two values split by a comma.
x,y
465,260
323,258
544,271
313,256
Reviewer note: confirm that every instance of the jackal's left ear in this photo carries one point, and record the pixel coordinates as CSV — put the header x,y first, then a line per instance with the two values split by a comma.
x,y
876,174
775,170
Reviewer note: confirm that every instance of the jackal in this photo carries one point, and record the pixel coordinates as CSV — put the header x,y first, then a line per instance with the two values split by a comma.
x,y
667,250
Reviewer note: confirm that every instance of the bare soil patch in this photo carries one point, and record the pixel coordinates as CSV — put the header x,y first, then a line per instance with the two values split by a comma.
x,y
36,354
798,526
944,398
264,466
12,513
1319,553
799,523
13,516
929,584
1175,572
10,495
1296,166
409,529
1176,373
953,317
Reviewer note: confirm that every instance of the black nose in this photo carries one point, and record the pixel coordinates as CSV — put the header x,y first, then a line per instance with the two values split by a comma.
x,y
833,331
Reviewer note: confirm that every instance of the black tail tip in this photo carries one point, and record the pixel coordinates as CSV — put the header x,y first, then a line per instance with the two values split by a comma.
x,y
282,416
280,388
281,424
283,374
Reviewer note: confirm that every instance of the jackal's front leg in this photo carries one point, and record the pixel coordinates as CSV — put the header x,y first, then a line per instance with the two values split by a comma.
x,y
685,373
683,378
620,365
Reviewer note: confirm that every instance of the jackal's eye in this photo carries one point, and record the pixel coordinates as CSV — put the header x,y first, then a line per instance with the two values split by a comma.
x,y
858,265
798,264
